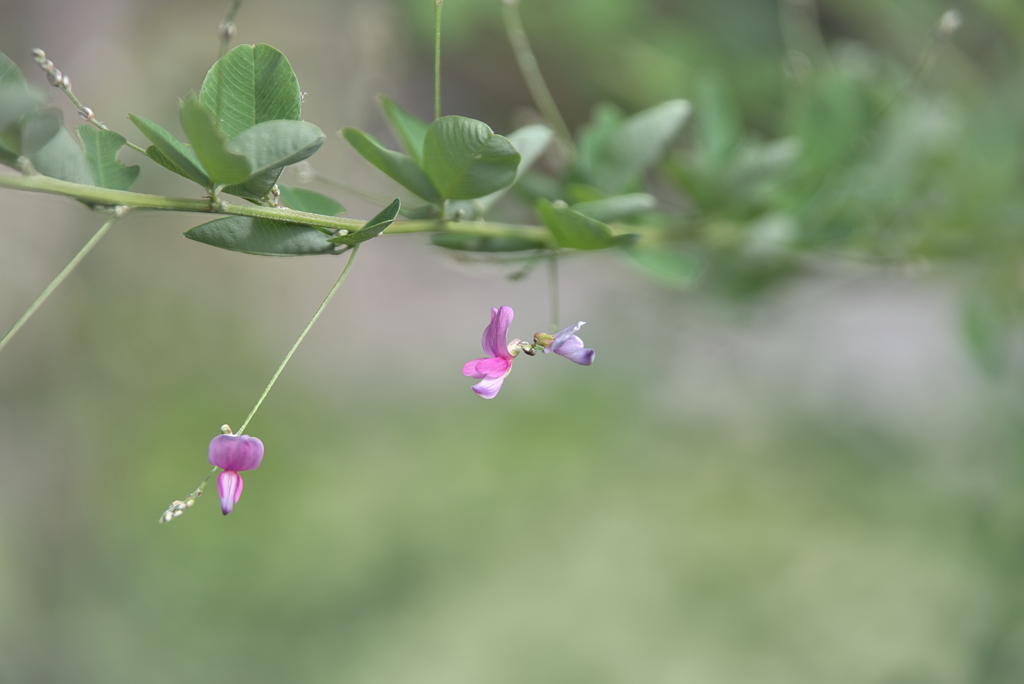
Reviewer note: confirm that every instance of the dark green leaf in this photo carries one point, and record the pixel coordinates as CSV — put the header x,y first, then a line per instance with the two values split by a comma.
x,y
301,199
224,166
39,129
8,158
410,129
101,148
62,158
261,236
478,243
637,143
275,144
173,154
671,267
250,85
373,227
398,166
465,159
616,208
573,229
257,186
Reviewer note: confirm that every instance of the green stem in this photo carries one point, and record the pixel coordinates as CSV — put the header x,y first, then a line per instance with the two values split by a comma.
x,y
93,195
227,27
437,58
553,289
531,73
299,341
58,280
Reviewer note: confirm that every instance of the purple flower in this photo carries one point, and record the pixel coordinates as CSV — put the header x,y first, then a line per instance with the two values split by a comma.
x,y
567,344
234,453
491,371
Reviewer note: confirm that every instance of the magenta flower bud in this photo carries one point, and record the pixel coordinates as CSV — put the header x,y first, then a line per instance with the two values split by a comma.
x,y
491,371
567,344
233,453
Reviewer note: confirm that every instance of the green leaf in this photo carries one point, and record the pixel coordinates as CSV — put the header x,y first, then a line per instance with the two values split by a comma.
x,y
173,154
250,85
637,143
479,243
301,199
617,208
411,130
101,148
988,326
8,158
465,159
10,74
62,158
719,124
398,166
373,227
256,186
276,144
671,267
261,236
594,135
530,141
40,129
573,229
16,101
224,166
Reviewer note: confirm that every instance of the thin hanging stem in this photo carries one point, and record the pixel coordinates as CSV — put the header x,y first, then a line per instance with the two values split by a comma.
x,y
553,289
59,279
437,58
531,73
226,29
299,341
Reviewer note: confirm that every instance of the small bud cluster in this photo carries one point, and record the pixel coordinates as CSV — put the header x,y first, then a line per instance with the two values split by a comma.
x,y
63,81
275,192
177,508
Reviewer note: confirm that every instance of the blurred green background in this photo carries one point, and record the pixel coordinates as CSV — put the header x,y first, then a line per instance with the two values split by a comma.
x,y
813,478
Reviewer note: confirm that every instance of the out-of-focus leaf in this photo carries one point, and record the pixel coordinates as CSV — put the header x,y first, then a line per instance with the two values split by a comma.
x,y
373,227
638,142
101,148
465,159
718,121
669,266
261,236
531,141
10,74
987,327
398,166
8,158
250,85
275,144
173,154
301,199
62,158
594,136
223,165
478,243
410,129
39,129
617,208
16,101
572,229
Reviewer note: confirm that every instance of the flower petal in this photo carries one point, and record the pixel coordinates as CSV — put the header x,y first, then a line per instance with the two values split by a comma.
x,y
572,348
236,452
488,387
229,486
496,333
562,335
486,368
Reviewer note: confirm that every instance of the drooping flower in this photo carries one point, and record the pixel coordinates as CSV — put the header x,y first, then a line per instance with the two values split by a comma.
x,y
233,453
567,344
491,371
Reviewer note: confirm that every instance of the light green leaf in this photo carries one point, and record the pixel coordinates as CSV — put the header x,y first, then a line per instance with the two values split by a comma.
x,y
275,144
479,243
224,166
573,229
373,227
718,120
398,166
173,154
592,137
250,85
637,143
411,130
671,267
16,101
261,236
101,148
301,199
62,158
465,159
10,74
39,129
617,208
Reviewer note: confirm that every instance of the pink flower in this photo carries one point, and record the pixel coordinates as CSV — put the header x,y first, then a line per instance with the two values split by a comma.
x,y
491,371
234,453
567,344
